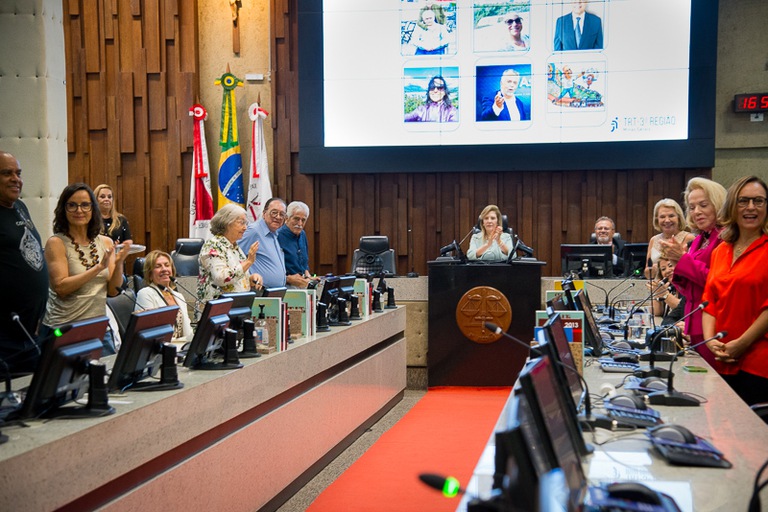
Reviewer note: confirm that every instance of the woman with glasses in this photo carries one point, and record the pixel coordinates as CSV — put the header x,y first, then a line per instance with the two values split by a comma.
x,y
736,291
437,107
83,266
224,268
703,198
517,40
114,224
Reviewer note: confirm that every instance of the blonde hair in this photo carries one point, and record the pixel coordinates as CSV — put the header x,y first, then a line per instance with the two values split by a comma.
x,y
714,191
114,214
730,212
668,203
488,209
149,263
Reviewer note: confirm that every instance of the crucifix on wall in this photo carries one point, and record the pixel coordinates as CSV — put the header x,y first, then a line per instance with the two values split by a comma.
x,y
235,6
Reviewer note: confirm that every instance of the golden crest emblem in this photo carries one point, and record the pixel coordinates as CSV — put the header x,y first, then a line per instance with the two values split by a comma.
x,y
479,305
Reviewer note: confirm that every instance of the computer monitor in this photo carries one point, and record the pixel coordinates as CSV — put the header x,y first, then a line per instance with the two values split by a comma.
x,y
141,353
551,415
591,331
276,291
201,354
514,470
241,310
347,285
554,343
65,371
634,256
330,292
588,260
562,302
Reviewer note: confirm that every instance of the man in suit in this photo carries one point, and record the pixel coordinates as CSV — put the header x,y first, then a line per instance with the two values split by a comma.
x,y
505,106
605,228
579,30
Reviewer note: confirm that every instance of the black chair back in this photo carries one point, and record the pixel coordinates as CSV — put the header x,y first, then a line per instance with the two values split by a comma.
x,y
185,256
374,256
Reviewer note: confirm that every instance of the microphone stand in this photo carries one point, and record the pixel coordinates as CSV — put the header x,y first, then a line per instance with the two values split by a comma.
x,y
676,398
456,247
592,421
608,293
636,307
194,305
650,370
612,307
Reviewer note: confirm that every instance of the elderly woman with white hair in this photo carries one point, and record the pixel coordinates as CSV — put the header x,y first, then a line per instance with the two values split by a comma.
x,y
293,242
224,268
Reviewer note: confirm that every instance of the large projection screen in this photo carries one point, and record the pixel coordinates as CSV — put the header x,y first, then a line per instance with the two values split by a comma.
x,y
457,86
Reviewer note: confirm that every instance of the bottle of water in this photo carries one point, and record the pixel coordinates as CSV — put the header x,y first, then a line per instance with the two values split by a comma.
x,y
261,332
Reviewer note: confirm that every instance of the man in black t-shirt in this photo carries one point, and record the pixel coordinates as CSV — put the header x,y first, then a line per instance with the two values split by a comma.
x,y
23,273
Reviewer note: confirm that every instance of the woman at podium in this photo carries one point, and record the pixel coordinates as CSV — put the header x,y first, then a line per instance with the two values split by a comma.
x,y
491,243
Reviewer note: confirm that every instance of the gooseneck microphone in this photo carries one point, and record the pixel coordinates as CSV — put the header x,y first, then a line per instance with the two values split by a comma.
x,y
449,486
615,303
608,293
593,421
637,306
194,304
651,370
456,247
676,398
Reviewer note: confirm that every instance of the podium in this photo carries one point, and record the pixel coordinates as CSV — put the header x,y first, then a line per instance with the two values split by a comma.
x,y
462,297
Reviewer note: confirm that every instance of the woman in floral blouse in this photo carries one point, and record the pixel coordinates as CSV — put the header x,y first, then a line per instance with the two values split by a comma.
x,y
223,265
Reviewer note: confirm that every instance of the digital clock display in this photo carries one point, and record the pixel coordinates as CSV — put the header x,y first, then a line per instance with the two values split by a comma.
x,y
755,102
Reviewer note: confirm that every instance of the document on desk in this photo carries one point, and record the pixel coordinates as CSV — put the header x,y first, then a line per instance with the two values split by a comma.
x,y
615,466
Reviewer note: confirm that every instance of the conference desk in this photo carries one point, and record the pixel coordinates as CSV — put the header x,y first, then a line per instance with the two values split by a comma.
x,y
725,420
243,439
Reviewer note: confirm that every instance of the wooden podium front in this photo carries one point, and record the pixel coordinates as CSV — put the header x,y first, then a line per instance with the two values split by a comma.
x,y
462,297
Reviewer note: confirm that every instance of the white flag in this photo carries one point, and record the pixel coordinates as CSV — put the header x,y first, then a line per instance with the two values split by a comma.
x,y
259,187
200,199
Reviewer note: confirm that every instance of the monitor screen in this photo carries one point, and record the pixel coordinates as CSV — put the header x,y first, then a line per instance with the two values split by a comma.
x,y
277,291
347,285
448,84
588,260
562,302
330,290
634,259
242,308
63,373
209,335
141,354
553,417
592,332
514,469
559,349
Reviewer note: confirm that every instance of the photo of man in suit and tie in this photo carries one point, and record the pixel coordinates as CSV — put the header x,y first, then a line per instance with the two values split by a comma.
x,y
505,105
579,29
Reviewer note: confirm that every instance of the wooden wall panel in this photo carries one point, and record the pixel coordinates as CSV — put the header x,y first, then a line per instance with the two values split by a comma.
x,y
128,128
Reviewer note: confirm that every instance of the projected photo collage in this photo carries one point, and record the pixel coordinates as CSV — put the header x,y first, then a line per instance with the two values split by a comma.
x,y
502,65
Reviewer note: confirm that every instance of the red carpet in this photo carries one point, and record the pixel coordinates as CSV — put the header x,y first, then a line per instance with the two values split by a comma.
x,y
445,433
